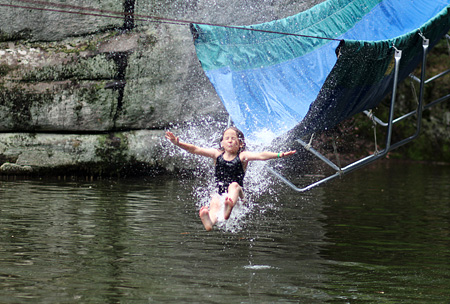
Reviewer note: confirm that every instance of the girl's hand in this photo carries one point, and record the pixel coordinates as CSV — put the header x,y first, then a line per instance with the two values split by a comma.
x,y
173,139
284,154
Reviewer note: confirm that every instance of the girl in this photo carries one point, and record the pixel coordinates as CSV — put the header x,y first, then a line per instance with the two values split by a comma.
x,y
231,161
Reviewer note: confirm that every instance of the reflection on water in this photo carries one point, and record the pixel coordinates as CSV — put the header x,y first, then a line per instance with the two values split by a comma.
x,y
391,234
378,235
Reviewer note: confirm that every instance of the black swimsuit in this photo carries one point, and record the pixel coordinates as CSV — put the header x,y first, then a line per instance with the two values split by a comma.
x,y
228,172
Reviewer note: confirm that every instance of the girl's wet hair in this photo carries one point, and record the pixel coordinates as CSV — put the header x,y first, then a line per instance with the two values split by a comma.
x,y
240,137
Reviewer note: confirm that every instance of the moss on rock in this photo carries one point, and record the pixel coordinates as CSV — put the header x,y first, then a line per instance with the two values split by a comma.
x,y
112,151
92,68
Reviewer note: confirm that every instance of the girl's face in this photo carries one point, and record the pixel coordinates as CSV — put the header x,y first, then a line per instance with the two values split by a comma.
x,y
231,142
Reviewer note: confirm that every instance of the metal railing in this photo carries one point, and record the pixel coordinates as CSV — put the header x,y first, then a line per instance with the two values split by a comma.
x,y
389,146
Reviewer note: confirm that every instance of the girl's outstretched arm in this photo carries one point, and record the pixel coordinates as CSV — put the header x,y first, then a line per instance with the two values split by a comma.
x,y
249,156
213,153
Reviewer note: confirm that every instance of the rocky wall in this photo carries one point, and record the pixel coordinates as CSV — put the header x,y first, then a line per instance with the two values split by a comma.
x,y
83,92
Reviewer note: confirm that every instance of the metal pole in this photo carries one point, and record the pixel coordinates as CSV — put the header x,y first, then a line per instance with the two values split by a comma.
x,y
320,156
398,56
420,107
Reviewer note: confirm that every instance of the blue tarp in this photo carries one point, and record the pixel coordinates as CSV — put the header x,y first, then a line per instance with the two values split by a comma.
x,y
271,83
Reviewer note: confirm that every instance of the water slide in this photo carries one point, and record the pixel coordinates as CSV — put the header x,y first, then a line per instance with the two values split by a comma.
x,y
312,70
308,72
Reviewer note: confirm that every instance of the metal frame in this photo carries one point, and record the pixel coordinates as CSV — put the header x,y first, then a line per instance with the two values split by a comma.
x,y
389,145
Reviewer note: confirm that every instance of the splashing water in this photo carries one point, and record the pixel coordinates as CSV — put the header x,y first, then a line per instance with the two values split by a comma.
x,y
262,138
258,267
259,193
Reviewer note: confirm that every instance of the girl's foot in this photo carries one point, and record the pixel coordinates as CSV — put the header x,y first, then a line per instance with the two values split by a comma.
x,y
206,220
228,207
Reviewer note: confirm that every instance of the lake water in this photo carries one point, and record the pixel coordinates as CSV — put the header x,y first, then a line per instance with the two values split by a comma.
x,y
379,235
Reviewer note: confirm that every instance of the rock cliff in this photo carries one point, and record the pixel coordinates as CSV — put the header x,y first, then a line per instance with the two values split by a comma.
x,y
83,89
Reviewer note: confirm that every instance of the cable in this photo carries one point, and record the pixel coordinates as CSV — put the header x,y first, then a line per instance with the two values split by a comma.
x,y
55,10
138,17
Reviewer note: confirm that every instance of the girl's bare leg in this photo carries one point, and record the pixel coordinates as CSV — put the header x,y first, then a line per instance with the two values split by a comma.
x,y
209,216
234,193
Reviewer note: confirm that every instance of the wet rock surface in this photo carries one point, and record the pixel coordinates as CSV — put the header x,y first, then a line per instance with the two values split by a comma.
x,y
93,93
